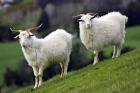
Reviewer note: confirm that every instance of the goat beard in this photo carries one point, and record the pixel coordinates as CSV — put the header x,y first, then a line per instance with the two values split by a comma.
x,y
88,27
26,47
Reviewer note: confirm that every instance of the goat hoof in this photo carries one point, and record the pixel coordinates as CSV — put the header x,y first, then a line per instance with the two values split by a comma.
x,y
95,63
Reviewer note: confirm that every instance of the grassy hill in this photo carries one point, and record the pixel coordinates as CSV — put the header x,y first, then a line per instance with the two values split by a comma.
x,y
10,54
133,37
120,75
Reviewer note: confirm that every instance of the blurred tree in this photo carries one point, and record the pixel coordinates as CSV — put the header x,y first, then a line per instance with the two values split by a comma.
x,y
44,20
106,6
25,72
126,49
23,76
9,76
51,71
6,34
102,56
79,57
0,89
42,3
133,13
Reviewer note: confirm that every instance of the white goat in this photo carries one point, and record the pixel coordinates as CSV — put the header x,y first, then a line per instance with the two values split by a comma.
x,y
39,53
98,32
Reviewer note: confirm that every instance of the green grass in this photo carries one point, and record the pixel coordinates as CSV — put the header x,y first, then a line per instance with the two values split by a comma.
x,y
120,75
10,55
133,37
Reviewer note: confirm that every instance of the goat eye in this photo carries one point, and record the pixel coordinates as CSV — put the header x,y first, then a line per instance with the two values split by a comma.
x,y
81,20
31,35
92,18
16,37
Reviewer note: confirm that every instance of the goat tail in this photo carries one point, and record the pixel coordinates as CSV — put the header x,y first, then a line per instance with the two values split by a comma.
x,y
125,18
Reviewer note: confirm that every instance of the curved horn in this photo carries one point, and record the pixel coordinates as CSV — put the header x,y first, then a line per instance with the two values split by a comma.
x,y
34,28
14,30
93,14
78,15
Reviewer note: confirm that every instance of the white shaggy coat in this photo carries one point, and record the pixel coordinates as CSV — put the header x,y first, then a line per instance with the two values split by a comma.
x,y
54,48
104,31
39,53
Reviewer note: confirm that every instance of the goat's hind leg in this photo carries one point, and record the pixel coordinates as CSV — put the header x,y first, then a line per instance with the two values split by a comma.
x,y
96,59
114,51
119,48
66,67
62,69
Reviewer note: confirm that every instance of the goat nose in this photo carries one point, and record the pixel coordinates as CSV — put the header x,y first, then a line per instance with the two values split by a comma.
x,y
88,25
23,44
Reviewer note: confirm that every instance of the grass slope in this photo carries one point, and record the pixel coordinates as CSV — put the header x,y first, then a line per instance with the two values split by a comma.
x,y
120,75
133,37
10,54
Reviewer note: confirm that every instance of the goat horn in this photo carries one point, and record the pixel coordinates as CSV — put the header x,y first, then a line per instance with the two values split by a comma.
x,y
78,15
93,14
34,28
14,30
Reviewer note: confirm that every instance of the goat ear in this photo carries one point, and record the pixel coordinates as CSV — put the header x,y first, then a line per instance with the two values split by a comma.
x,y
80,20
16,37
34,29
14,30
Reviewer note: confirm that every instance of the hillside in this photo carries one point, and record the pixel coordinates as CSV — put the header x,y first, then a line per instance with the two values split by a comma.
x,y
120,75
11,53
9,57
133,37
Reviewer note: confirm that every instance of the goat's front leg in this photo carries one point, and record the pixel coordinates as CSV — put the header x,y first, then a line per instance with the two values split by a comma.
x,y
35,70
40,75
62,69
95,57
